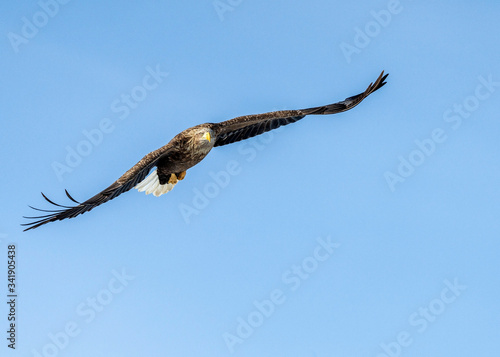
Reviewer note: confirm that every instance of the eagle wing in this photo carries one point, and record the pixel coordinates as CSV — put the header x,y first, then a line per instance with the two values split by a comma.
x,y
248,126
127,181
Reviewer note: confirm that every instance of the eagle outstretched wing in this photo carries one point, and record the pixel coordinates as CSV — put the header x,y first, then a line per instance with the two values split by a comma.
x,y
126,182
247,126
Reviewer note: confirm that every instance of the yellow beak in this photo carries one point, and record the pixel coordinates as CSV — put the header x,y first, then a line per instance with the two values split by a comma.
x,y
207,136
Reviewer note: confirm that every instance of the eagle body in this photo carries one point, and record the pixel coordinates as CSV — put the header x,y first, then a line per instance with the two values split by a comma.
x,y
160,170
192,145
184,151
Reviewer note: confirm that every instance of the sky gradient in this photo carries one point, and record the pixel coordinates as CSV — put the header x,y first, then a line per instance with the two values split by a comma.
x,y
373,232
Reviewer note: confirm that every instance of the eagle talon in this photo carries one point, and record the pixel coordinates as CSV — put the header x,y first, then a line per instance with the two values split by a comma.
x,y
181,176
173,179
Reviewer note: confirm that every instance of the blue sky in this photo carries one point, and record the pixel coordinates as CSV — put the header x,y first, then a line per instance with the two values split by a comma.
x,y
368,233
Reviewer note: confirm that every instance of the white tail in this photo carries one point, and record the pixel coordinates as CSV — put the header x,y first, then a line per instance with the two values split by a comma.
x,y
151,184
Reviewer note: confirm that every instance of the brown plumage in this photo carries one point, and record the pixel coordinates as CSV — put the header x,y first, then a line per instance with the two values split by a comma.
x,y
188,148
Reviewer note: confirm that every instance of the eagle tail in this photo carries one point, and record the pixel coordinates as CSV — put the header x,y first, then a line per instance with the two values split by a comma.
x,y
151,184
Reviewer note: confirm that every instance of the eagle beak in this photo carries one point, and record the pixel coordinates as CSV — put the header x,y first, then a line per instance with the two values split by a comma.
x,y
207,136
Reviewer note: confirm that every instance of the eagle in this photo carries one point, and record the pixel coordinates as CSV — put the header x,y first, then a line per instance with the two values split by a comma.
x,y
159,171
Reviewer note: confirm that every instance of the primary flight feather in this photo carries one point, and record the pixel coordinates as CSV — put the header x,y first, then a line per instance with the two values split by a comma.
x,y
167,165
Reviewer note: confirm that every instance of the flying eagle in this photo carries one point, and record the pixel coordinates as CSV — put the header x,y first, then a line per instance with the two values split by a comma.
x,y
170,162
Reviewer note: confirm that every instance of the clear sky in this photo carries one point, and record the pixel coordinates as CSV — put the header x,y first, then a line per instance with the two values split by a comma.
x,y
368,233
